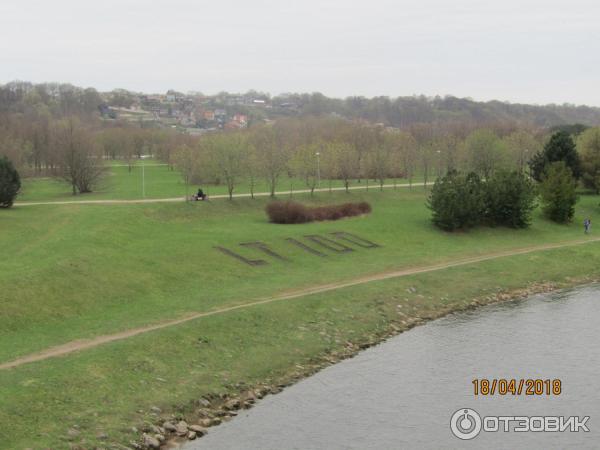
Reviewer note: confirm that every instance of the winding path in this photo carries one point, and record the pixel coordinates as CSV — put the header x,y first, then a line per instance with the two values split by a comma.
x,y
78,345
212,197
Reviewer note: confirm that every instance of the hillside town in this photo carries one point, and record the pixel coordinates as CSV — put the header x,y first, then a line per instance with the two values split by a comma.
x,y
193,113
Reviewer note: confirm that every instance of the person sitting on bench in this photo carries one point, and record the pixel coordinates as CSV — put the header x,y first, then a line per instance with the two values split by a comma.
x,y
200,195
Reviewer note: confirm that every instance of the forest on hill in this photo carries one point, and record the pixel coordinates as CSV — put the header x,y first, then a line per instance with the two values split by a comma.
x,y
58,100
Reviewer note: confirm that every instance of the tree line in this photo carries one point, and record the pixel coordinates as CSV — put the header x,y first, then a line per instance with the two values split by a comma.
x,y
408,110
306,151
76,149
508,197
317,149
66,99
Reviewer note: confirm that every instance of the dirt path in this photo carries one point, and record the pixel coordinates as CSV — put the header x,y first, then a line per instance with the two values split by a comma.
x,y
212,197
78,345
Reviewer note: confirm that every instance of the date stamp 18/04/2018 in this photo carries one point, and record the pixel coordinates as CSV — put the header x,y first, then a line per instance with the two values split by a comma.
x,y
513,386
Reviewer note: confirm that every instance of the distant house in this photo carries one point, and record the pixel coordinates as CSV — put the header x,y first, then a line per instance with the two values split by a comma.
x,y
242,119
209,115
258,102
220,113
237,122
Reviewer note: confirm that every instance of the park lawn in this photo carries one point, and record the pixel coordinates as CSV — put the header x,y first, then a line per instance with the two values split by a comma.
x,y
159,180
103,392
78,271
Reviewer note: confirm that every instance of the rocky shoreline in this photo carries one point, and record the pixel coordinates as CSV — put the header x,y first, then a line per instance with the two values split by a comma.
x,y
171,430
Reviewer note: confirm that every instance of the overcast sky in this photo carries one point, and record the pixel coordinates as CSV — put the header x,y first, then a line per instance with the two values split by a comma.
x,y
529,51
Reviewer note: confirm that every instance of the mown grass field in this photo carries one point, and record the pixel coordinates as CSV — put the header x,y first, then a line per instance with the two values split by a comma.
x,y
159,182
78,271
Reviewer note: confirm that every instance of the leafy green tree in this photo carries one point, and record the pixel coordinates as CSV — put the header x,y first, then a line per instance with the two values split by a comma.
x,y
509,199
560,147
520,145
588,145
485,152
557,191
10,182
457,201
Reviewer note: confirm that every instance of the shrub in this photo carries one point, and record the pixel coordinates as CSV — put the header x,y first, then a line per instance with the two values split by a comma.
x,y
509,199
10,183
557,191
457,201
288,212
293,212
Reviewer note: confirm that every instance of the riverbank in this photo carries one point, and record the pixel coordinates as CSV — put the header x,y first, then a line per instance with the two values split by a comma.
x,y
214,409
401,393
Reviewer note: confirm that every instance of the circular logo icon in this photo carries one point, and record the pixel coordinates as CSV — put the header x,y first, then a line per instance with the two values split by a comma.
x,y
465,423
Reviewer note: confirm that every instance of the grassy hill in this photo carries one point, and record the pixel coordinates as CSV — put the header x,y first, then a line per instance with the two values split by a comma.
x,y
75,272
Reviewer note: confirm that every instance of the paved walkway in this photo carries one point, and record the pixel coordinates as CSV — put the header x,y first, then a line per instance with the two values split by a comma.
x,y
374,187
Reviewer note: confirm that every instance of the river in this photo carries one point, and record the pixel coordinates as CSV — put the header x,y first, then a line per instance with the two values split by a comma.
x,y
401,394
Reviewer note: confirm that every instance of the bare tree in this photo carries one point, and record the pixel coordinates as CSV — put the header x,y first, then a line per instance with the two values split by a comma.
x,y
378,161
363,137
407,146
80,160
329,164
227,153
271,154
485,151
186,162
347,161
118,143
305,164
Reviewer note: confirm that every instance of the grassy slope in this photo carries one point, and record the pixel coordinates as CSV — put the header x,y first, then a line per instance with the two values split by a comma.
x,y
79,271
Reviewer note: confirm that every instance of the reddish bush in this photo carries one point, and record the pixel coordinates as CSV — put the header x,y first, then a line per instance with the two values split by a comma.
x,y
293,212
364,207
288,212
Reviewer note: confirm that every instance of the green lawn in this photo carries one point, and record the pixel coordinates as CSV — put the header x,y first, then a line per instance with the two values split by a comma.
x,y
78,271
159,181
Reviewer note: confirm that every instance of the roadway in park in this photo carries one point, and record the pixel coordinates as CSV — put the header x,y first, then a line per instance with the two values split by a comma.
x,y
79,345
212,197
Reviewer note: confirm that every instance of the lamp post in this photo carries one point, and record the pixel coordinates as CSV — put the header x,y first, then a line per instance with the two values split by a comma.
x,y
318,170
143,178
